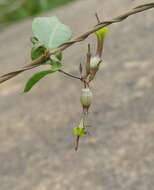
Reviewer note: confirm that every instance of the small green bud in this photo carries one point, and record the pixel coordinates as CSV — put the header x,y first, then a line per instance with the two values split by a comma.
x,y
77,131
86,98
80,129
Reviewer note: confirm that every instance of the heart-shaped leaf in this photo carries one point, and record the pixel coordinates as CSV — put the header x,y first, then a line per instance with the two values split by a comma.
x,y
50,31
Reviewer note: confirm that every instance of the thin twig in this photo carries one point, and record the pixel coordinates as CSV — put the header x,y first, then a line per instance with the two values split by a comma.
x,y
62,47
97,17
68,74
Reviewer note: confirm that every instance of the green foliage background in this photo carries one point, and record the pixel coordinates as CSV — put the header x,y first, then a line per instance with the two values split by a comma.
x,y
15,10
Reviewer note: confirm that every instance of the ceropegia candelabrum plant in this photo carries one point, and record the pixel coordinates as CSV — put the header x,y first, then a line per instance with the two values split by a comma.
x,y
48,34
50,38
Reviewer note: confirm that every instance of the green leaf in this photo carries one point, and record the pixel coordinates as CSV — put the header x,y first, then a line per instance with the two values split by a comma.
x,y
55,66
50,31
35,78
37,51
102,33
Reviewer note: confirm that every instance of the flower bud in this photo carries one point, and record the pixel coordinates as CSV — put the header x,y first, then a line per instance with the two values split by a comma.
x,y
95,62
94,66
101,33
86,98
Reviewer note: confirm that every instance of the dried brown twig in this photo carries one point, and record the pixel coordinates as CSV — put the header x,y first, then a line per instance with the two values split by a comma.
x,y
62,47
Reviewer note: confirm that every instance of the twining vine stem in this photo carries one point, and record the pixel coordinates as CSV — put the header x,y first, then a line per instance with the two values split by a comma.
x,y
45,57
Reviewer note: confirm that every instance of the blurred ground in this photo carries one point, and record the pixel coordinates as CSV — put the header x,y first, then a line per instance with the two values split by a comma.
x,y
36,144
